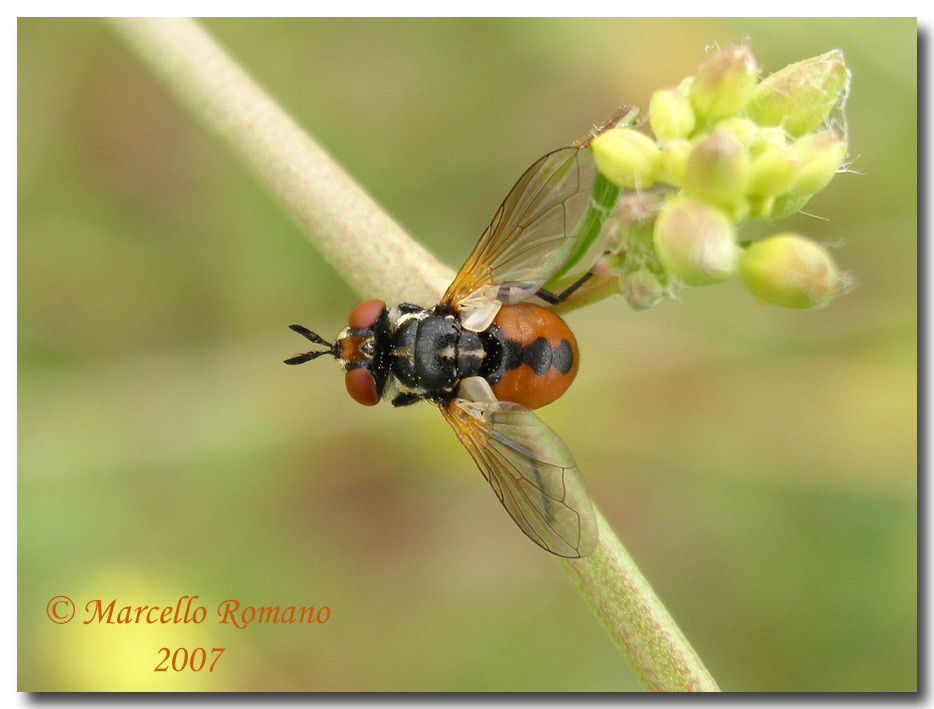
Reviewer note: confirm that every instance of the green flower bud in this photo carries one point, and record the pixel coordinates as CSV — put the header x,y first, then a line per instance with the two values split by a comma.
x,y
670,114
724,83
770,136
819,157
771,170
642,289
717,172
744,130
761,206
626,157
801,96
695,242
674,162
791,271
787,204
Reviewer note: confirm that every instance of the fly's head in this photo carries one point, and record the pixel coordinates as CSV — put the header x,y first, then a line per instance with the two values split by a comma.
x,y
356,350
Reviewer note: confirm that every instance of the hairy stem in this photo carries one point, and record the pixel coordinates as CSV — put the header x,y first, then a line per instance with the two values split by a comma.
x,y
637,621
377,258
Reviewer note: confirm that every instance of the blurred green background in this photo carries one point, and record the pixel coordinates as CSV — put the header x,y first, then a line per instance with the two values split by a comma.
x,y
760,464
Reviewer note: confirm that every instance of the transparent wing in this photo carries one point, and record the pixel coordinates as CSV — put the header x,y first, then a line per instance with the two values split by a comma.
x,y
530,470
532,235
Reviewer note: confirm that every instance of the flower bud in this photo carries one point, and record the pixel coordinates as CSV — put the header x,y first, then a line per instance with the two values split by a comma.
x,y
724,83
674,162
788,204
695,242
670,114
819,157
744,130
771,170
642,289
626,157
717,171
791,271
770,136
761,206
801,96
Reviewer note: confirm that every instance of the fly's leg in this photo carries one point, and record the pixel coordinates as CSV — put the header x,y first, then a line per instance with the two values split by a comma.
x,y
555,298
406,399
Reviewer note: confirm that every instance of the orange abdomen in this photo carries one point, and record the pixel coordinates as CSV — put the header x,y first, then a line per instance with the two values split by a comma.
x,y
541,355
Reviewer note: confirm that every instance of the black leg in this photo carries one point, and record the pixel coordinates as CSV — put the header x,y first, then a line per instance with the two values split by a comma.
x,y
554,299
406,399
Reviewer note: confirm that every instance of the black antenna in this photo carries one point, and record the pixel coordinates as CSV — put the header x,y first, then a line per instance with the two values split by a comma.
x,y
317,339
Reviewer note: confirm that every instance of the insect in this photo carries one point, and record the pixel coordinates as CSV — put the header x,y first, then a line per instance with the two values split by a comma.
x,y
491,351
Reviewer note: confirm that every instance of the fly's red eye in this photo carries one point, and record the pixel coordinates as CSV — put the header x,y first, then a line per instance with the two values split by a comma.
x,y
361,386
365,315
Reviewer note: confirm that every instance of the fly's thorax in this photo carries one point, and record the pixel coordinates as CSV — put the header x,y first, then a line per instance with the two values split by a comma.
x,y
429,352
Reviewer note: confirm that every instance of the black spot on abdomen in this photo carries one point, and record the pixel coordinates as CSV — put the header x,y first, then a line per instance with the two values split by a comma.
x,y
562,357
538,355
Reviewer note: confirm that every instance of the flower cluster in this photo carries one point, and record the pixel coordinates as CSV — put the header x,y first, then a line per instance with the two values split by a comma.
x,y
727,148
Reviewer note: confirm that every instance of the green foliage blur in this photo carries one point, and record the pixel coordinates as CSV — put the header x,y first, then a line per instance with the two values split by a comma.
x,y
760,464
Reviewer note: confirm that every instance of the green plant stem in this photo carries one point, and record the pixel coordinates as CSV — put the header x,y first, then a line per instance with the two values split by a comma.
x,y
637,621
378,258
